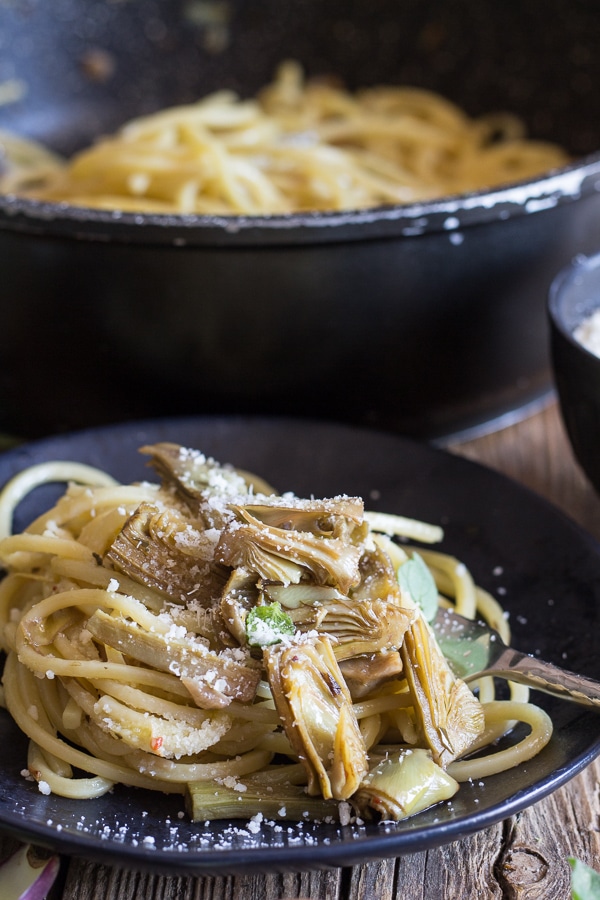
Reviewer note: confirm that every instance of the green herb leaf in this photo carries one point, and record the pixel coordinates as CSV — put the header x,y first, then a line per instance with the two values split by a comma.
x,y
415,578
268,624
585,881
466,656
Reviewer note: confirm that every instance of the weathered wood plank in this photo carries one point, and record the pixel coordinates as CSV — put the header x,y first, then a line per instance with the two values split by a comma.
x,y
90,881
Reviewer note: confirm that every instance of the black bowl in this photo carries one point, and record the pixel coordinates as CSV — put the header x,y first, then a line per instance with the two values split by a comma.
x,y
574,296
426,319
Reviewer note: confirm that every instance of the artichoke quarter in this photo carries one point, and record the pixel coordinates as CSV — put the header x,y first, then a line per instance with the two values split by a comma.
x,y
196,480
403,784
450,717
315,707
163,550
286,555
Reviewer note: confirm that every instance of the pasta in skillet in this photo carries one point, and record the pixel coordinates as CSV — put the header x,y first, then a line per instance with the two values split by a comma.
x,y
203,635
297,146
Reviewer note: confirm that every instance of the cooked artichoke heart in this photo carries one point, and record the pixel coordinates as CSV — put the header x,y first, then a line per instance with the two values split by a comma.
x,y
219,678
450,717
196,478
163,550
404,784
243,548
368,626
316,710
279,555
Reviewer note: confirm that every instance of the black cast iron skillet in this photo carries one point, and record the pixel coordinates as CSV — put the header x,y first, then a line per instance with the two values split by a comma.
x,y
426,319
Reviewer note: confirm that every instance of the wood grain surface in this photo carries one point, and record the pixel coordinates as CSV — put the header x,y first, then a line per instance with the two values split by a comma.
x,y
522,858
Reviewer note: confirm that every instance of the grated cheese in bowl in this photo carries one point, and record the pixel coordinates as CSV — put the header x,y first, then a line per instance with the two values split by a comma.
x,y
588,332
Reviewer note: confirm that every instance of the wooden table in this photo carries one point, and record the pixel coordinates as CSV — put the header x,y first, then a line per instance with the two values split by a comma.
x,y
522,857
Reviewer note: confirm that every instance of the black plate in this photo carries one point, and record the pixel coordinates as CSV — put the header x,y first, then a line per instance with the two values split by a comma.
x,y
543,568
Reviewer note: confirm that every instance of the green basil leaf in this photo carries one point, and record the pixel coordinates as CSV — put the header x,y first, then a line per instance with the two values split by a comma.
x,y
585,881
465,656
415,578
268,624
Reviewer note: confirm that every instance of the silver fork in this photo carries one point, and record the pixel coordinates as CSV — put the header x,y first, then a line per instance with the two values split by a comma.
x,y
474,649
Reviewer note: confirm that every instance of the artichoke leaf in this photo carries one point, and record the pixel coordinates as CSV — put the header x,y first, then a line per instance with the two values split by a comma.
x,y
315,707
203,693
337,517
215,678
378,577
449,716
161,549
306,603
208,624
403,784
239,596
307,618
242,587
234,614
304,594
365,674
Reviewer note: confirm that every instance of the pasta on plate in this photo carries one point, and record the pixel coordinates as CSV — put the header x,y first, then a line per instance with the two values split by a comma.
x,y
296,146
201,634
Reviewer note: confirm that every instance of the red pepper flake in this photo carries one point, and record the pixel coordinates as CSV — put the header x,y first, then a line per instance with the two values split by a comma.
x,y
155,744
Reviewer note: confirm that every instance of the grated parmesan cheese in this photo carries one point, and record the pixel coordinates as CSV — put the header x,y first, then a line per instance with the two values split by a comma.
x,y
588,333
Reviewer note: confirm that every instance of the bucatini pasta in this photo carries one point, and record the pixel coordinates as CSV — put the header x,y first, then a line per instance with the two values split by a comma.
x,y
201,634
297,146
